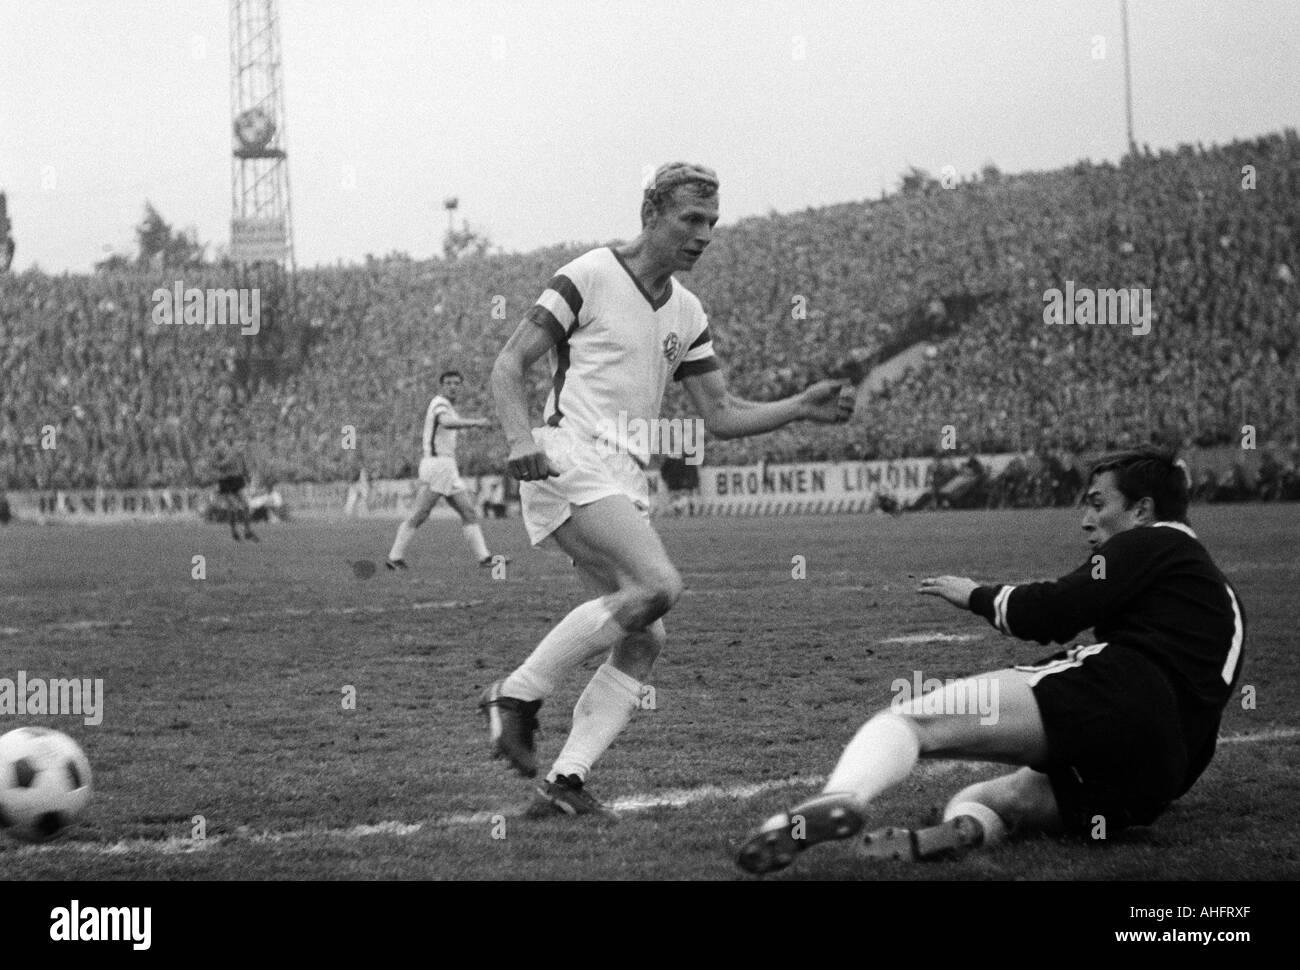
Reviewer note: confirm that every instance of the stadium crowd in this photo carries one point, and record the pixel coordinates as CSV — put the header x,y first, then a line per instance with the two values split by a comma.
x,y
1053,477
95,393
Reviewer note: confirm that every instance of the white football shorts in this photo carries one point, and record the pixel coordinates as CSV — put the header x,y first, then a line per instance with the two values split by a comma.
x,y
441,475
587,474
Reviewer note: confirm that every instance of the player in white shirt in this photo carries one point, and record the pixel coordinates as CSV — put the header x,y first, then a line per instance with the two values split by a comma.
x,y
439,476
616,326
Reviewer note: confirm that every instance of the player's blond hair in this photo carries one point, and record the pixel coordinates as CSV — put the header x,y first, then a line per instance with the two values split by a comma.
x,y
700,180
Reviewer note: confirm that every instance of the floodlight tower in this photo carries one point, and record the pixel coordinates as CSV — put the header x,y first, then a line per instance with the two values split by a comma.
x,y
1128,81
261,224
259,164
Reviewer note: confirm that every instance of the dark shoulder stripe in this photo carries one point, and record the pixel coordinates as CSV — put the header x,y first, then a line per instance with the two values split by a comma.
x,y
693,368
702,339
545,319
562,285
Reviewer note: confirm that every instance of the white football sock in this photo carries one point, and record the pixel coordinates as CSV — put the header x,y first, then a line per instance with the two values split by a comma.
x,y
405,533
474,536
589,630
881,754
995,830
599,717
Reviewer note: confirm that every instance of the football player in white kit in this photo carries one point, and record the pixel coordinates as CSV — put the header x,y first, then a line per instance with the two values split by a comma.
x,y
616,326
439,476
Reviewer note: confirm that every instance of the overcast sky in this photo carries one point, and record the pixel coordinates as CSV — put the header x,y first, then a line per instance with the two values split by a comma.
x,y
541,116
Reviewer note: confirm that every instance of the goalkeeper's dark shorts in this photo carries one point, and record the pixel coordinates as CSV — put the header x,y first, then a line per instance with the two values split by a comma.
x,y
1120,746
231,484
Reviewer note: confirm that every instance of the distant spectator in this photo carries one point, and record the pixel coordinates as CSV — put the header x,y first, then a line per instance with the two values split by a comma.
x,y
1268,480
358,498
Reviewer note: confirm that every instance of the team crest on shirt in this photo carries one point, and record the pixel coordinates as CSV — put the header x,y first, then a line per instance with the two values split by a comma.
x,y
672,344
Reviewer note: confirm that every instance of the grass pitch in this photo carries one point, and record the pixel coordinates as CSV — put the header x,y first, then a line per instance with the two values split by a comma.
x,y
225,712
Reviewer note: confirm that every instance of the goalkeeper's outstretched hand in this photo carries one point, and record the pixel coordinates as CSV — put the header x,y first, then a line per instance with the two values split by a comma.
x,y
955,589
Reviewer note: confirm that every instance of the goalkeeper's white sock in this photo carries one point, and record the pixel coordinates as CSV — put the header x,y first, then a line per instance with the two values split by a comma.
x,y
599,717
995,830
405,533
589,630
881,754
474,536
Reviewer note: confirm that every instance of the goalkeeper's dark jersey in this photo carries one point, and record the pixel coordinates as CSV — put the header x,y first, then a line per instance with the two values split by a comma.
x,y
1156,591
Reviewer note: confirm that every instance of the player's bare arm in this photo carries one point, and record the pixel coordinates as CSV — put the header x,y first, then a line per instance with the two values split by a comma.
x,y
527,460
459,424
728,416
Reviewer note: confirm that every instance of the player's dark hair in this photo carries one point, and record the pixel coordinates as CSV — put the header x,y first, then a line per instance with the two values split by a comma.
x,y
1143,472
450,373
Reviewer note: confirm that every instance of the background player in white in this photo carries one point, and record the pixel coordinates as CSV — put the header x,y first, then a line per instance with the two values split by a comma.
x,y
439,476
617,326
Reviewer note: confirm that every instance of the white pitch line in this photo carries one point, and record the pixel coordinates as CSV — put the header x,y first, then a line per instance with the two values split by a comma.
x,y
934,638
728,591
628,804
681,797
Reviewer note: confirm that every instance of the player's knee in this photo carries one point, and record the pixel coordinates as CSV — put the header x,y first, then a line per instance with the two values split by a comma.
x,y
655,595
922,724
896,723
663,592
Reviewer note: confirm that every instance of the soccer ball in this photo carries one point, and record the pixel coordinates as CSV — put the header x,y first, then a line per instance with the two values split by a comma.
x,y
44,783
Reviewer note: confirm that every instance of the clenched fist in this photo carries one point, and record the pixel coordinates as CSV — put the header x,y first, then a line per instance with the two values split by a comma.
x,y
528,463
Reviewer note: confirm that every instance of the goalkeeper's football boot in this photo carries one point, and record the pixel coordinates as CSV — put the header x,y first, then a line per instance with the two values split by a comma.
x,y
566,796
782,837
947,840
512,725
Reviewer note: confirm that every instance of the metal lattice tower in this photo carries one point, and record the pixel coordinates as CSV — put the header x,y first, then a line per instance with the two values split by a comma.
x,y
262,217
